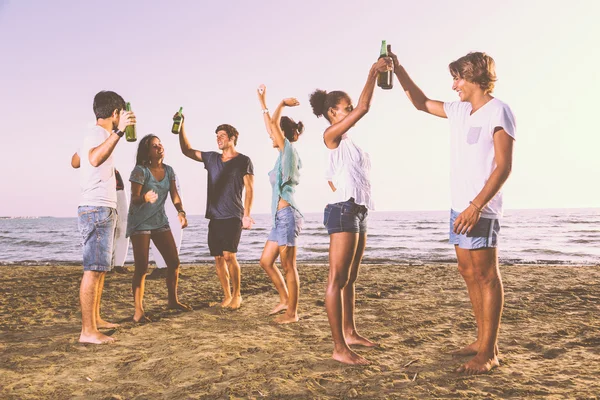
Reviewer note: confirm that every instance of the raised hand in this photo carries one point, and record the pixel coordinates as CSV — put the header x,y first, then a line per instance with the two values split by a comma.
x,y
126,118
393,56
291,102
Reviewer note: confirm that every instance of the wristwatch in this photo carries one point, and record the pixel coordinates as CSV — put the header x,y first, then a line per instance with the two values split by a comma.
x,y
118,132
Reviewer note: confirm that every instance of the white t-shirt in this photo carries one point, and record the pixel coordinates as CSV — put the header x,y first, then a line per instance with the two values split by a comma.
x,y
349,168
98,184
472,151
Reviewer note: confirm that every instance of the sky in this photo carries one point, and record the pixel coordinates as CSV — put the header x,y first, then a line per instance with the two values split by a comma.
x,y
210,57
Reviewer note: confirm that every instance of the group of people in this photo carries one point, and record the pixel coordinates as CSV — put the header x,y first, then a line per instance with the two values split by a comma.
x,y
481,144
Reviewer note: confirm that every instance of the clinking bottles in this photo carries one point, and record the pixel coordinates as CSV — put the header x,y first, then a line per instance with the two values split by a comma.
x,y
385,79
130,132
177,122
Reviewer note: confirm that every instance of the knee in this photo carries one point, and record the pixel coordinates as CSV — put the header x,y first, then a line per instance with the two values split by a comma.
x,y
466,270
487,275
337,281
228,257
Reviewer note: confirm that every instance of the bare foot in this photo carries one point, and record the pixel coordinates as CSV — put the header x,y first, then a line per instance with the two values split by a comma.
x,y
286,319
142,320
349,357
95,338
226,301
470,350
279,307
102,324
479,364
357,340
235,303
179,306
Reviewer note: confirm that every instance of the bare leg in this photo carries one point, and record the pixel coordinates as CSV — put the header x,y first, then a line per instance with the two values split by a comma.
x,y
288,261
100,323
267,262
88,297
342,247
165,244
465,267
223,275
487,276
141,246
235,272
349,295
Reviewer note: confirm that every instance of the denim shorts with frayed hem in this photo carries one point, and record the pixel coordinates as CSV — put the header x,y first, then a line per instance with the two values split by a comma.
x,y
288,224
97,226
483,234
346,216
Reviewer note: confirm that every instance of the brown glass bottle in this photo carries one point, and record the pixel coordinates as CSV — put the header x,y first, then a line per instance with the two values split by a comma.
x,y
385,80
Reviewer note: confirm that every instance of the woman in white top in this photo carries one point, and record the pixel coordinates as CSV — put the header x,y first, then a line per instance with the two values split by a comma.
x,y
346,220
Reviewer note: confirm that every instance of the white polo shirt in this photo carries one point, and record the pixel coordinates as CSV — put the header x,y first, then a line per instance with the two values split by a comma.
x,y
472,155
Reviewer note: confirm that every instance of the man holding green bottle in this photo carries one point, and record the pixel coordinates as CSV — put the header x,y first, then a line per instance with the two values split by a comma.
x,y
97,215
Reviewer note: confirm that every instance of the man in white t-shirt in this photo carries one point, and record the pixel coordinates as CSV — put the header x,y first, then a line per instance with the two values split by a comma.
x,y
97,215
482,132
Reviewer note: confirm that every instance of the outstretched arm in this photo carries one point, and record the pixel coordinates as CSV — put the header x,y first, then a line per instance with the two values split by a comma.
x,y
333,134
99,154
414,93
185,146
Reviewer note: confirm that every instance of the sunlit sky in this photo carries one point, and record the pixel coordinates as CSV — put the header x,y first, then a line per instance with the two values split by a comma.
x,y
210,56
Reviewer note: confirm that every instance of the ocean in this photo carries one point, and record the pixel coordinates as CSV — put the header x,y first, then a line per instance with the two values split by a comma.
x,y
550,236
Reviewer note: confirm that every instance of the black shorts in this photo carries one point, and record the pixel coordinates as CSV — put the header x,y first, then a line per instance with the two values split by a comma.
x,y
224,235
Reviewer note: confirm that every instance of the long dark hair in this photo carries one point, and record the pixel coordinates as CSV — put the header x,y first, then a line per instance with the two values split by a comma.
x,y
143,152
290,127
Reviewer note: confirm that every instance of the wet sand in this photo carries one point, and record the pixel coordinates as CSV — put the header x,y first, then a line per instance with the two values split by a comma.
x,y
549,339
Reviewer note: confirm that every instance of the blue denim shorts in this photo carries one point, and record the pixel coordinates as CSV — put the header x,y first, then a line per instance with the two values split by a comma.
x,y
288,224
346,216
484,233
97,226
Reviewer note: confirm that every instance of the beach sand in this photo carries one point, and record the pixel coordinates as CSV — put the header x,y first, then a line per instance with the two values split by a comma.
x,y
549,339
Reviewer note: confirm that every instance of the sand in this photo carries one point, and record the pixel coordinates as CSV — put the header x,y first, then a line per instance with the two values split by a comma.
x,y
549,339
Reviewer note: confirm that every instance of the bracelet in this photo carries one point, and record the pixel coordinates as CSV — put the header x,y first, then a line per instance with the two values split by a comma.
x,y
474,205
119,132
181,212
266,110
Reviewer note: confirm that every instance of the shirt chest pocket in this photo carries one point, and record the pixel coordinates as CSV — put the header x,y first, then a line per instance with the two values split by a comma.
x,y
473,134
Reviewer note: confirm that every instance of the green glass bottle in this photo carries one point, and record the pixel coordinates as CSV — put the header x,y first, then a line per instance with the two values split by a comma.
x,y
130,133
385,79
177,122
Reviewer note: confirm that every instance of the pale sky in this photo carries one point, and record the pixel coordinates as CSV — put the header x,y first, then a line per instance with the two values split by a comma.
x,y
210,56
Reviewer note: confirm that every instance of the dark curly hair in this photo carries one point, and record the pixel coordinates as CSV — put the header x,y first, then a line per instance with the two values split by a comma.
x,y
230,130
321,101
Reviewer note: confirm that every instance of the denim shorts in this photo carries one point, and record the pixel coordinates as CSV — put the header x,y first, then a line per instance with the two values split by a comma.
x,y
97,226
484,233
288,224
150,232
346,216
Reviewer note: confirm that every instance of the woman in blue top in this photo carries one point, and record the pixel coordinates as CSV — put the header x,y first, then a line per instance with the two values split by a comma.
x,y
287,220
151,182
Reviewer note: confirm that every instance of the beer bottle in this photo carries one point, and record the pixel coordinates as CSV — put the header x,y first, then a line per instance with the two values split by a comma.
x,y
130,133
177,122
385,79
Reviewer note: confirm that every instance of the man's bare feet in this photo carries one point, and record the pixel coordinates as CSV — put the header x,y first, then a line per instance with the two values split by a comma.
x,y
349,357
235,303
479,364
102,324
470,350
286,319
95,338
179,306
357,340
279,307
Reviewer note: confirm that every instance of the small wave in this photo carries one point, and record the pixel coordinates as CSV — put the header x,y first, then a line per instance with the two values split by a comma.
x,y
35,243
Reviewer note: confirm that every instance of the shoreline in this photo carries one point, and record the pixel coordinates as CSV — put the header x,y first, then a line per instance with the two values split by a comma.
x,y
549,339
